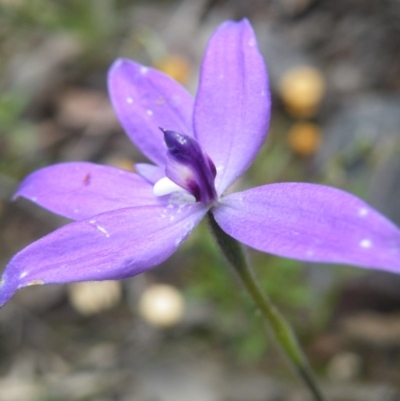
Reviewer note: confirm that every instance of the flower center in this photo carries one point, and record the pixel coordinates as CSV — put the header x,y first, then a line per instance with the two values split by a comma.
x,y
189,169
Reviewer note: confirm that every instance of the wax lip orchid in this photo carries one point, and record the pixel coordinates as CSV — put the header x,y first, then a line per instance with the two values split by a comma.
x,y
126,223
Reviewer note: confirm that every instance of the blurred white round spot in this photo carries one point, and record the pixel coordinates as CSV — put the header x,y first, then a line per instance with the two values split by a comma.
x,y
345,366
161,305
366,243
89,298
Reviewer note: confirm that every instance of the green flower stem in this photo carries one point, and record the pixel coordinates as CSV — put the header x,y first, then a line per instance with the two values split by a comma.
x,y
235,254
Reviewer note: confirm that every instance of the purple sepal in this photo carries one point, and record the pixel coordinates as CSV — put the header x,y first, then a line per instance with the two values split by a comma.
x,y
189,167
80,190
113,245
313,223
145,99
233,104
8,287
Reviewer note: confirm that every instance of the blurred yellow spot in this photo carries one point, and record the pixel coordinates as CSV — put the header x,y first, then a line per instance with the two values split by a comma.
x,y
89,298
304,138
120,162
161,305
177,67
301,89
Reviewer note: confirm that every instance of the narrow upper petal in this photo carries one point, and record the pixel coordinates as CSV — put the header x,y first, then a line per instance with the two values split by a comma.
x,y
114,245
145,99
232,107
313,223
81,190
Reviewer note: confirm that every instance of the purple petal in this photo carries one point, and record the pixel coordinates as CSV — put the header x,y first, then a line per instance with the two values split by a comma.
x,y
114,245
233,103
81,190
313,223
145,99
150,172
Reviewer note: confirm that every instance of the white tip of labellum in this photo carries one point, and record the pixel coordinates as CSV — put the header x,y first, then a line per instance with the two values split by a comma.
x,y
165,186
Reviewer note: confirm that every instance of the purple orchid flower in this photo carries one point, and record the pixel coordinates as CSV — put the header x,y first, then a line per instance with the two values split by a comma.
x,y
127,223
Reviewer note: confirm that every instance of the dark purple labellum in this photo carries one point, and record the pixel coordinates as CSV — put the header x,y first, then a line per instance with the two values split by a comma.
x,y
189,167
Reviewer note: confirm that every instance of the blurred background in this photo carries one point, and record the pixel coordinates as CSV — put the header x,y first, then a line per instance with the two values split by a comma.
x,y
186,330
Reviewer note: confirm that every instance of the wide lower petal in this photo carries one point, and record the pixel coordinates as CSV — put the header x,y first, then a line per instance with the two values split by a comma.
x,y
145,99
312,223
81,190
114,245
232,107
